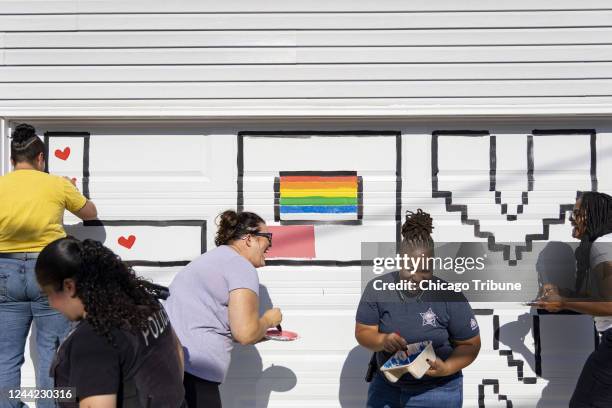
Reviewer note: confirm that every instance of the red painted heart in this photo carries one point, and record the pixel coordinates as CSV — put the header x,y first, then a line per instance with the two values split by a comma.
x,y
127,242
62,154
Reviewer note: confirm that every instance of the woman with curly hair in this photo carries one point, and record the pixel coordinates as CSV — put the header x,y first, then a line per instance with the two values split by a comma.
x,y
388,322
123,352
214,301
32,206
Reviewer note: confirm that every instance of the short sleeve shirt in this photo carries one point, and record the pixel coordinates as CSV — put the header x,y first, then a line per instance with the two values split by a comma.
x,y
32,209
601,251
198,309
416,319
142,368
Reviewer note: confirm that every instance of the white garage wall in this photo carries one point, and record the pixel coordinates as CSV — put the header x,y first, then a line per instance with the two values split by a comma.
x,y
275,57
524,360
90,58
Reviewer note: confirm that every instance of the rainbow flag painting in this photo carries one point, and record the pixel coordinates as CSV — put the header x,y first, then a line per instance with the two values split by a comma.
x,y
318,197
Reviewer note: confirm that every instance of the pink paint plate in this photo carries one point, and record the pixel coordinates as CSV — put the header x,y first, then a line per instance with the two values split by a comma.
x,y
285,335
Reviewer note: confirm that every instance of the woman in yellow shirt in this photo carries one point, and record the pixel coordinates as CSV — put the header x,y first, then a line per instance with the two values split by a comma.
x,y
32,205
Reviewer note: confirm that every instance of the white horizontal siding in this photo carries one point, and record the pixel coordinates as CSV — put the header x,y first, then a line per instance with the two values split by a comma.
x,y
305,21
322,90
294,72
307,38
340,54
195,6
311,55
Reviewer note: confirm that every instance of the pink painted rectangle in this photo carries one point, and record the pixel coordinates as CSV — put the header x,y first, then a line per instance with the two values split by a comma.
x,y
292,241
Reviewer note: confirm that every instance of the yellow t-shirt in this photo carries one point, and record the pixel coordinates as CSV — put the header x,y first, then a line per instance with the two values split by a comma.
x,y
32,207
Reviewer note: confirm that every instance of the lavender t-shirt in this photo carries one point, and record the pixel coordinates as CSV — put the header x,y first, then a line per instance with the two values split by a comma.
x,y
198,309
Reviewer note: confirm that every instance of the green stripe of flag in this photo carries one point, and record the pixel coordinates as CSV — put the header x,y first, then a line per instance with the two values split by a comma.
x,y
318,201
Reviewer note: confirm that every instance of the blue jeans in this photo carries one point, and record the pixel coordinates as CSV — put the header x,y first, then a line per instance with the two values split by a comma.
x,y
22,301
381,394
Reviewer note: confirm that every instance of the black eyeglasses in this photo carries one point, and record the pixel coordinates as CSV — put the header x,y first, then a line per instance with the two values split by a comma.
x,y
268,235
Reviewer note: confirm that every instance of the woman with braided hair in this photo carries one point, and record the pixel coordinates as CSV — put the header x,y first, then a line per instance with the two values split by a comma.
x,y
123,352
32,205
592,225
387,322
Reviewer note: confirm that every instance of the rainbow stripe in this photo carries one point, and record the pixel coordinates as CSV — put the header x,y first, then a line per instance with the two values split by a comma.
x,y
322,196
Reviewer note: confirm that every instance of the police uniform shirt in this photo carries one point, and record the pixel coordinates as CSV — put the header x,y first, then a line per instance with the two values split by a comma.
x,y
427,316
143,369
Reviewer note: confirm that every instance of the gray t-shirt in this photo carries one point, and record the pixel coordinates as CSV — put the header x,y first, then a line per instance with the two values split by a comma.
x,y
601,251
198,309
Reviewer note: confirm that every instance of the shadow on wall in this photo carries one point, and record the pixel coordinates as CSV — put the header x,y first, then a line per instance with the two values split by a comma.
x,y
248,384
563,351
95,231
353,388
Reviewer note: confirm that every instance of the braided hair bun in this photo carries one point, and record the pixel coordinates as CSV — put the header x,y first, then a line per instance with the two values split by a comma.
x,y
25,144
23,133
418,227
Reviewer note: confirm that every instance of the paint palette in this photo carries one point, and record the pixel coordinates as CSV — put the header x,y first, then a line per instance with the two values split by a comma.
x,y
285,335
412,360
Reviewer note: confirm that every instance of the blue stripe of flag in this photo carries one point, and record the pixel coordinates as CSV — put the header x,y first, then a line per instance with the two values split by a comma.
x,y
288,209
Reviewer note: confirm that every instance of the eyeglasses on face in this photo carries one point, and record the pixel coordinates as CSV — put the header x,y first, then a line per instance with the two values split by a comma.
x,y
267,235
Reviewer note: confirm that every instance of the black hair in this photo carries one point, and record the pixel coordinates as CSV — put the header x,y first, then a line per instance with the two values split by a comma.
x,y
25,144
113,296
234,225
417,230
597,210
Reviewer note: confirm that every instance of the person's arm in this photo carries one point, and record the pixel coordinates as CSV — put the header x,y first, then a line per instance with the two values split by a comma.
x,y
76,202
99,401
464,353
553,301
88,212
245,324
369,337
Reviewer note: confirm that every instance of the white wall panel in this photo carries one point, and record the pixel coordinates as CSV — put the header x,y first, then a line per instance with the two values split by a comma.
x,y
195,168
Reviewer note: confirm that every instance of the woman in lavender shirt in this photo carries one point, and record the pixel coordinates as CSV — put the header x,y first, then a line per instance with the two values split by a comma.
x,y
214,301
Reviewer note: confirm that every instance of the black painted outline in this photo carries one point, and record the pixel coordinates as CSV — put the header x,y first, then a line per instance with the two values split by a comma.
x,y
593,141
495,384
524,194
85,136
305,134
357,221
155,223
519,364
546,222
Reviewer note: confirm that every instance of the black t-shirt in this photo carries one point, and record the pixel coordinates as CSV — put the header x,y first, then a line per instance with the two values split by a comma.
x,y
430,316
143,369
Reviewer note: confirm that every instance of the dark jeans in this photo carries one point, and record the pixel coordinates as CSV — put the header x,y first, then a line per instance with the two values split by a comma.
x,y
21,302
381,394
594,387
201,393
